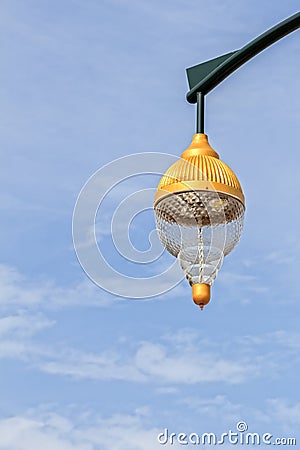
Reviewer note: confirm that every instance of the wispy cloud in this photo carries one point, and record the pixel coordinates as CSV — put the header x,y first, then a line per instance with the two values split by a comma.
x,y
272,414
183,358
169,366
19,291
287,340
285,412
218,407
159,363
23,325
45,427
49,430
106,366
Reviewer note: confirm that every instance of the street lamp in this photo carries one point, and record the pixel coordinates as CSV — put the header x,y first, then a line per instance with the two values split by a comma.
x,y
199,203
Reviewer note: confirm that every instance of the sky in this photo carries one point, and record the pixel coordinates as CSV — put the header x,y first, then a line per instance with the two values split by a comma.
x,y
83,84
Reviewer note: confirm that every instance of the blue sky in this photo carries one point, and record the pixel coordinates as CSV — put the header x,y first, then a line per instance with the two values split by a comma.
x,y
82,84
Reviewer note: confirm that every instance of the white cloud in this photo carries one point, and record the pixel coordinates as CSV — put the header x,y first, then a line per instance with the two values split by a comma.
x,y
286,413
282,257
276,415
18,341
47,429
16,333
163,362
17,291
196,366
151,363
102,366
232,278
218,408
38,430
181,359
22,433
168,390
23,325
290,340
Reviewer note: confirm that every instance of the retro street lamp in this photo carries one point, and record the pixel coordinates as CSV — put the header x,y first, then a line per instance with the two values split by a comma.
x,y
199,204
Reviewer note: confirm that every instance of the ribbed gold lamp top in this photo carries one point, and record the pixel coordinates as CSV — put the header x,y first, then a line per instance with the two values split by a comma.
x,y
199,169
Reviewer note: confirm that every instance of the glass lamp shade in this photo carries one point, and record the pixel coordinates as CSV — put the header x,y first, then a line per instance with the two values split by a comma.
x,y
199,208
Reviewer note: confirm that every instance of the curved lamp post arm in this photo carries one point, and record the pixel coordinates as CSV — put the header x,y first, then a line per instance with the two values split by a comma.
x,y
206,76
213,72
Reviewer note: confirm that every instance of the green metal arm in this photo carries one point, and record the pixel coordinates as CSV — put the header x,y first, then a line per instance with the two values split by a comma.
x,y
206,76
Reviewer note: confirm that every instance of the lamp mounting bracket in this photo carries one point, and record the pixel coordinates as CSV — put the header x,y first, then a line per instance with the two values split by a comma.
x,y
206,76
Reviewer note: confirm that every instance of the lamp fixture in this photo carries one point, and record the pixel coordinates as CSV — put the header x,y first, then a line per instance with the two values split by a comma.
x,y
199,203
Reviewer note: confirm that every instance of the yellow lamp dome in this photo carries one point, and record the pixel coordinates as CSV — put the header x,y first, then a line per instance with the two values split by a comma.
x,y
199,169
199,207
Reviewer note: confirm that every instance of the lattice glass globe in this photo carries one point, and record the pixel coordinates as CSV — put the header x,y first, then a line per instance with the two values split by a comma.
x,y
199,209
